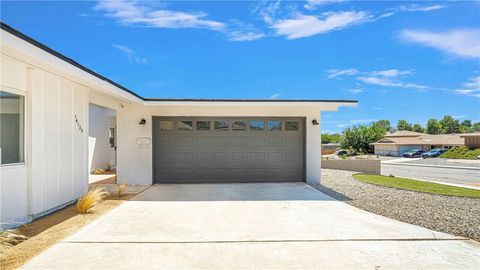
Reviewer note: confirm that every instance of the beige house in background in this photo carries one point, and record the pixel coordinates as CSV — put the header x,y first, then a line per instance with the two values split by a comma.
x,y
472,140
397,143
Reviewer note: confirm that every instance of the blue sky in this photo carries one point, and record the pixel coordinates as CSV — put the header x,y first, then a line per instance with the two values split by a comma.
x,y
400,60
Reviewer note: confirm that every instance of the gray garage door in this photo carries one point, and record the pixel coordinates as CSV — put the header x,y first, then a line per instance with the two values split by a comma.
x,y
196,149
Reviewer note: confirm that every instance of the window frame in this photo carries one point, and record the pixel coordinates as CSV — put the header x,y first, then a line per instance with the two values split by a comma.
x,y
185,120
166,120
219,120
240,120
209,125
25,120
257,120
277,120
292,121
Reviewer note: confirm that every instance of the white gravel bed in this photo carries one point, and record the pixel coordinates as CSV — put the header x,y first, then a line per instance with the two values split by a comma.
x,y
455,215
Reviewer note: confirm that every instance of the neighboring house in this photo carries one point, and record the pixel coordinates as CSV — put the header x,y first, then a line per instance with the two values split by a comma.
x,y
397,143
47,118
472,140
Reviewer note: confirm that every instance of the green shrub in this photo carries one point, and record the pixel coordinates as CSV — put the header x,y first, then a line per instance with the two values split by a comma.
x,y
461,152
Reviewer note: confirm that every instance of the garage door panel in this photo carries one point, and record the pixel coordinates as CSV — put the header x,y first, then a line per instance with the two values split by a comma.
x,y
256,141
203,142
275,141
239,141
252,154
221,141
184,142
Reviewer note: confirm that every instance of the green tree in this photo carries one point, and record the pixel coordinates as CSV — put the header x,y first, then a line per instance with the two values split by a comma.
x,y
433,127
331,138
418,128
360,137
385,124
476,127
404,125
449,125
466,126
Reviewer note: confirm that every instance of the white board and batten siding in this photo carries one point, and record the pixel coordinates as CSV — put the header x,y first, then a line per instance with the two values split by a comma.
x,y
55,169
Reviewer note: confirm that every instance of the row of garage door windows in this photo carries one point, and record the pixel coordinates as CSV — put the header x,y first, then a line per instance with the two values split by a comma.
x,y
274,125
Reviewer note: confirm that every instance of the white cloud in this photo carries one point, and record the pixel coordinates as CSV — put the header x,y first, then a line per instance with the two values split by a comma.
x,y
391,73
415,7
332,73
275,96
132,13
388,77
355,91
471,88
240,31
462,43
131,54
313,4
308,25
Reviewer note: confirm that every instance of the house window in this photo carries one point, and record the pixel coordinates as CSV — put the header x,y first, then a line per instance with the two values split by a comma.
x,y
12,119
291,125
203,125
239,125
166,125
185,125
274,125
221,125
256,125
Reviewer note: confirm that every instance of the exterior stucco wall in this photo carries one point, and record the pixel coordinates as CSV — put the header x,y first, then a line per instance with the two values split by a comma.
x,y
135,160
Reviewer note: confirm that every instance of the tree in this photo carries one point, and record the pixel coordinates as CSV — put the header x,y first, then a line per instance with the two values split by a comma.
x,y
404,125
476,127
360,137
385,124
449,125
418,128
331,138
433,127
466,126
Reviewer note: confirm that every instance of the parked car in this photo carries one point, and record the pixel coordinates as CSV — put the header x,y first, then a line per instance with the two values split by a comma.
x,y
341,152
434,153
413,153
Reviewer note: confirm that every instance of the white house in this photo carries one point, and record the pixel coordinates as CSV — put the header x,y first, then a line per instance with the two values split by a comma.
x,y
50,107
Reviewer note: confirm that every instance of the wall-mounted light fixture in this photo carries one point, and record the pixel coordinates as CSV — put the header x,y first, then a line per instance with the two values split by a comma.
x,y
142,121
315,122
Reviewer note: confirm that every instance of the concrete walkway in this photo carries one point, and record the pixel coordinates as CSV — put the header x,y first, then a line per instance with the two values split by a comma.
x,y
252,226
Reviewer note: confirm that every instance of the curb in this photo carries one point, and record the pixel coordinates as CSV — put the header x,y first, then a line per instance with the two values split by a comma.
x,y
429,165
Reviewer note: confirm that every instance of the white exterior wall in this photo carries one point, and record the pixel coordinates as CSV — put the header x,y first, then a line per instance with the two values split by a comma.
x,y
135,160
54,171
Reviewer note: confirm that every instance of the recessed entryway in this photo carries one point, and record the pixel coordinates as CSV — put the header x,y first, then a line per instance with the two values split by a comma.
x,y
102,143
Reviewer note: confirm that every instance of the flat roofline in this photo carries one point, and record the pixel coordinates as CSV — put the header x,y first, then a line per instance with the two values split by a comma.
x,y
51,51
247,100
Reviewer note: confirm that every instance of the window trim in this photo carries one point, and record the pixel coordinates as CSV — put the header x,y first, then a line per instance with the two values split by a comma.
x,y
26,120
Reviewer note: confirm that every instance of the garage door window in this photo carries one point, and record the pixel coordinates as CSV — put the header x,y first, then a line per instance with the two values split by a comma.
x,y
203,125
12,119
274,125
239,125
291,125
221,125
166,125
256,125
185,125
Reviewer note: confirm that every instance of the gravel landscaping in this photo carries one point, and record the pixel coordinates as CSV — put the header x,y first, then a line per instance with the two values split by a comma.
x,y
454,215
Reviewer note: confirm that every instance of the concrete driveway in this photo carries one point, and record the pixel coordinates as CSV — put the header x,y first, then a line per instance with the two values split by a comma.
x,y
252,226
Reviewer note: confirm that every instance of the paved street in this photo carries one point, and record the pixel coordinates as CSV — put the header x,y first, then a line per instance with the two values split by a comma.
x,y
449,175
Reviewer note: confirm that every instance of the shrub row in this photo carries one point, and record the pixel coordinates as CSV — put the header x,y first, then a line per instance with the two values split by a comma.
x,y
461,152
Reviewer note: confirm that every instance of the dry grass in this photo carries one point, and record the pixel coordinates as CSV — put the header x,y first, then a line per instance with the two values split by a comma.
x,y
44,232
8,239
121,190
90,199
